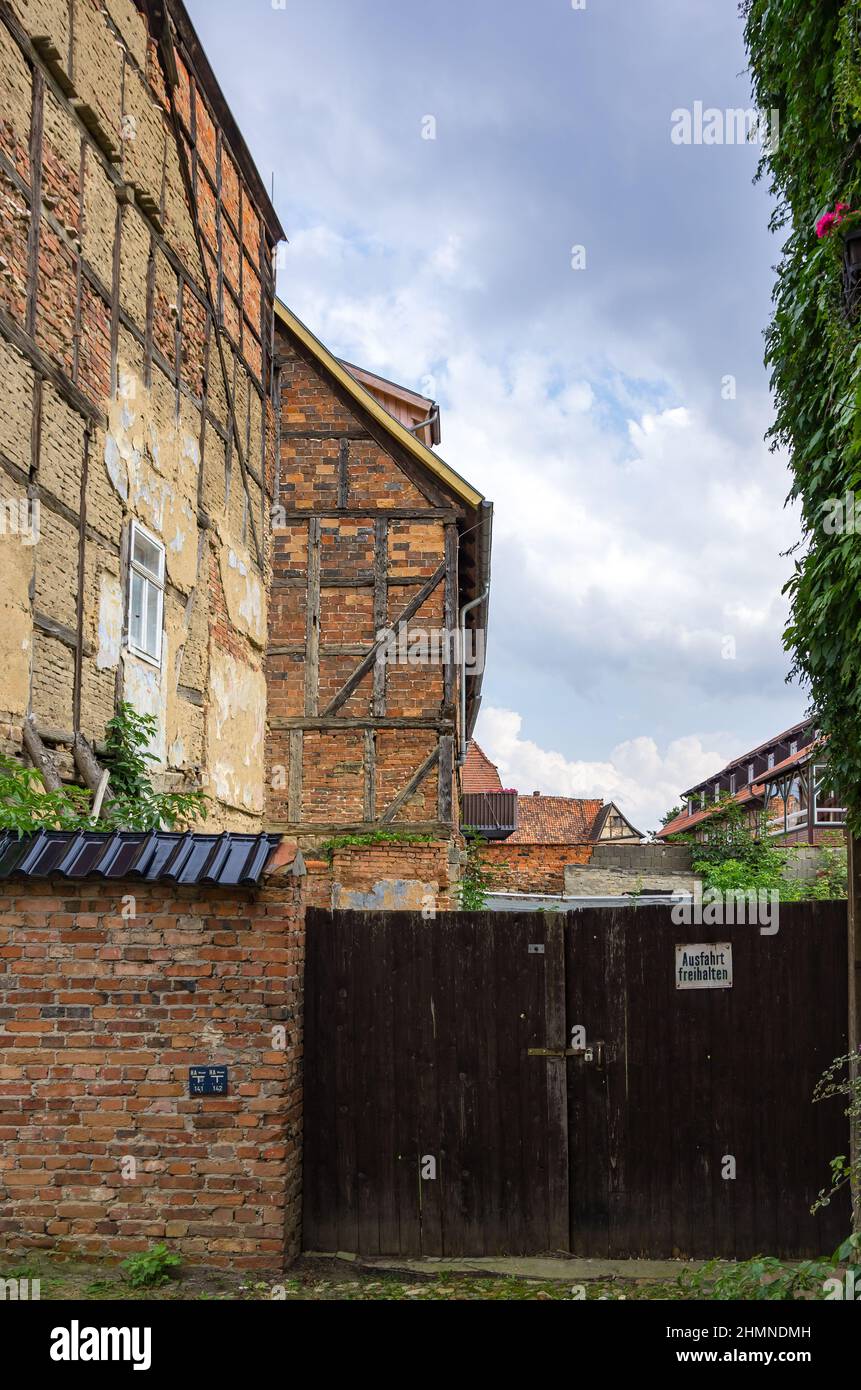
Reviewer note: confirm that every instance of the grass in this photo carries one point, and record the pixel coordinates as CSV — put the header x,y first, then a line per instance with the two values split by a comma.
x,y
321,1280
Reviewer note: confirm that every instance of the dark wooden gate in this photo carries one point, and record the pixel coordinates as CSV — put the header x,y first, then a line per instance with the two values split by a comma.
x,y
445,1113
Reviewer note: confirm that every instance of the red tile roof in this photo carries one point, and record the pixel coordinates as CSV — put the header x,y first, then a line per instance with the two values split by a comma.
x,y
754,792
554,820
479,773
685,822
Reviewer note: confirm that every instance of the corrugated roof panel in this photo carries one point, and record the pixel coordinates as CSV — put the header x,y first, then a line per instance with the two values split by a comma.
x,y
157,856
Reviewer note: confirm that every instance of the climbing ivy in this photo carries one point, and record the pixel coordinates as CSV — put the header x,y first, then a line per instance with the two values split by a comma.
x,y
805,61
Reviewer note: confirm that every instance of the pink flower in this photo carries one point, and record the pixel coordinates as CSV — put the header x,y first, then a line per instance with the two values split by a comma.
x,y
830,220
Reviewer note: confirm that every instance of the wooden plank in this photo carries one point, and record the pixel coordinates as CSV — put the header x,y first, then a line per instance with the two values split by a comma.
x,y
371,1101
616,1054
343,472
37,125
295,775
450,609
381,606
349,944
587,1085
406,945
386,980
40,757
643,1140
445,789
326,828
325,1200
389,722
556,1033
427,1081
369,809
518,977
366,513
312,620
452,958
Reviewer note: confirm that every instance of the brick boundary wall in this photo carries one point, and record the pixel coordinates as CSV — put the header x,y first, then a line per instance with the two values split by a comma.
x,y
384,877
532,868
101,1016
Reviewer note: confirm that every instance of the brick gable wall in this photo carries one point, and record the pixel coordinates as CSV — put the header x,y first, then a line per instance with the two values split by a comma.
x,y
357,541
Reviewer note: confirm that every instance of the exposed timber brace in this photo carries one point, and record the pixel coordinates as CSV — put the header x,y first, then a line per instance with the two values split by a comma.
x,y
87,763
412,786
168,60
40,757
368,661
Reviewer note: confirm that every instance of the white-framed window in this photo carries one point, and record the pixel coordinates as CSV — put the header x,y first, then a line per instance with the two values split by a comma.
x,y
771,760
732,784
793,748
750,772
146,594
717,791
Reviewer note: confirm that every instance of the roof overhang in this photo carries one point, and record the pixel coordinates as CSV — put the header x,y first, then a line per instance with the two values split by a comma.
x,y
436,466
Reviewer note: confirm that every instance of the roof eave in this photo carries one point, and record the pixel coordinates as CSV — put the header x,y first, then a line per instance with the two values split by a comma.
x,y
436,466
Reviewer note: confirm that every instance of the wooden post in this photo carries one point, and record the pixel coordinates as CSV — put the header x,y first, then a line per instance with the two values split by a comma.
x,y
40,757
854,851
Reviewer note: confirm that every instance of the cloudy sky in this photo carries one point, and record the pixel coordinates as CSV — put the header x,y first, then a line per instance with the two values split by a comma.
x,y
640,526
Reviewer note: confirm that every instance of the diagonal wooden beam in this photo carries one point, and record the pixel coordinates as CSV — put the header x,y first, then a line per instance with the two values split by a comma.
x,y
368,661
414,783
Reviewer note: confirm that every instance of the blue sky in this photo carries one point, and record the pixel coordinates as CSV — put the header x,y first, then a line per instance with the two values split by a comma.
x,y
640,524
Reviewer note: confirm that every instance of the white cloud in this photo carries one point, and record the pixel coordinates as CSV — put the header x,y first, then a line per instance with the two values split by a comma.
x,y
643,781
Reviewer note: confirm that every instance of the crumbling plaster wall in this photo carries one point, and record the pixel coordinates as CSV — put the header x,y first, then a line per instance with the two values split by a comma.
x,y
113,404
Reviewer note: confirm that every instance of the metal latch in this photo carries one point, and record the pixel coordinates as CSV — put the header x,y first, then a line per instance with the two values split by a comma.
x,y
593,1053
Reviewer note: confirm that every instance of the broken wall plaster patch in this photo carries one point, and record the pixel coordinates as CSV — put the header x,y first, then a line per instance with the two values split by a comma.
x,y
236,718
243,593
110,622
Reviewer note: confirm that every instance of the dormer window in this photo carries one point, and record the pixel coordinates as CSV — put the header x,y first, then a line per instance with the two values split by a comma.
x,y
717,791
770,761
732,784
750,772
793,748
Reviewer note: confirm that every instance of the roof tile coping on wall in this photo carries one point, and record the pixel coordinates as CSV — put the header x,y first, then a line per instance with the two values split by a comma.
x,y
154,856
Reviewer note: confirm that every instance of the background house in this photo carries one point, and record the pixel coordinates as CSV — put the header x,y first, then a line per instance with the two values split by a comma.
x,y
781,783
546,832
136,428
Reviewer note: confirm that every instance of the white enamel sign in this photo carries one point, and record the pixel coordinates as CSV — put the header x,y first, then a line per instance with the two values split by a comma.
x,y
704,965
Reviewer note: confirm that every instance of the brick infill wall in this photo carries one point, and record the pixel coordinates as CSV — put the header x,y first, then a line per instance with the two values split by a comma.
x,y
532,868
384,877
102,1150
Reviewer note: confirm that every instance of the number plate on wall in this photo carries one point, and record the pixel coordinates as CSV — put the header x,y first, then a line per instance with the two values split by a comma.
x,y
207,1081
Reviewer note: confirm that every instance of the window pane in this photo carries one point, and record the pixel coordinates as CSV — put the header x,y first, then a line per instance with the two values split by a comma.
x,y
153,615
136,610
148,555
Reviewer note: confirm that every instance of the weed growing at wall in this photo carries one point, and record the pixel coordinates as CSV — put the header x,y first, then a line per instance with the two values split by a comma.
x,y
131,802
